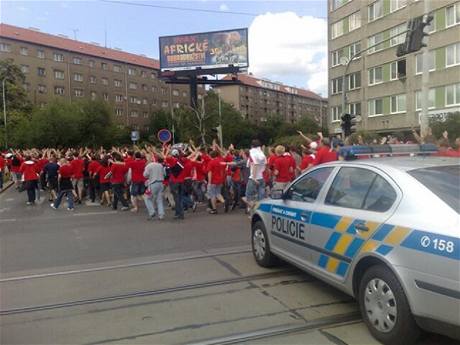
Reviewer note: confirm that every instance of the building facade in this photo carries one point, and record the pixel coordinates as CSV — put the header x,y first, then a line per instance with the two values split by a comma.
x,y
58,67
383,89
257,99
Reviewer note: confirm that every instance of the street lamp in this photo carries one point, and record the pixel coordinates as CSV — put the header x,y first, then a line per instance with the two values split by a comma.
x,y
4,112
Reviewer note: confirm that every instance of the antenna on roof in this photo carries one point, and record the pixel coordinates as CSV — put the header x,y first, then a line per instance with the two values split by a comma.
x,y
105,33
75,33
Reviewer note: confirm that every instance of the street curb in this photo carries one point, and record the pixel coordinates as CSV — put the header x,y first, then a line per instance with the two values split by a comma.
x,y
5,188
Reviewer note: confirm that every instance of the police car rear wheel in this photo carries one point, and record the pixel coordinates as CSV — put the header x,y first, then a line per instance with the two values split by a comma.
x,y
385,309
260,246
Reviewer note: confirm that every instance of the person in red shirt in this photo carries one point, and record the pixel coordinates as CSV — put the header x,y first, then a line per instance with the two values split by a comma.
x,y
199,179
41,162
29,172
326,153
308,157
118,171
78,165
137,166
103,171
2,170
66,172
216,178
176,165
15,164
283,169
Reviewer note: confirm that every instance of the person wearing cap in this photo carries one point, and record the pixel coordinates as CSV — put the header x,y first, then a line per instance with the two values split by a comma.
x,y
309,156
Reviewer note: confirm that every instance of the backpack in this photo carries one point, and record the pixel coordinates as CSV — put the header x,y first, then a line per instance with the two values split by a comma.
x,y
177,168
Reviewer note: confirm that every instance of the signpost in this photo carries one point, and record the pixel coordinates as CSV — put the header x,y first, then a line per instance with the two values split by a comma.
x,y
135,136
164,136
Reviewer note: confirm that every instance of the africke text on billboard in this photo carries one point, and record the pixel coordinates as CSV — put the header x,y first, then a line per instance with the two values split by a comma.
x,y
205,50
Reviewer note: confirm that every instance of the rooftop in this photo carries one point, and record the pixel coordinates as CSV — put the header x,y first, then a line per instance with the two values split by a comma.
x,y
60,42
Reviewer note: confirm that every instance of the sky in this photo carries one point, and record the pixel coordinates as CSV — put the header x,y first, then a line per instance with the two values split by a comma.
x,y
287,39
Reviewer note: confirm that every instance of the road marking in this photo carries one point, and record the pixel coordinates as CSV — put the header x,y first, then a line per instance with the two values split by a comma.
x,y
5,209
7,220
136,264
9,199
93,213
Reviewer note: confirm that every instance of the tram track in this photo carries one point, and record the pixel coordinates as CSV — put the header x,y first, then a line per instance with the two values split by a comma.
x,y
144,293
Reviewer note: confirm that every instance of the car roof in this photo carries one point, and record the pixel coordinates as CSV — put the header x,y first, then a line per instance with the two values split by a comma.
x,y
405,163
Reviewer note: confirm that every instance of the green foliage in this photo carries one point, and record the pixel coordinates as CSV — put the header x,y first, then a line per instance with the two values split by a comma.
x,y
451,124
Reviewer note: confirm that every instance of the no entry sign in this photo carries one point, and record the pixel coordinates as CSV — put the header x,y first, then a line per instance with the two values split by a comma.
x,y
164,135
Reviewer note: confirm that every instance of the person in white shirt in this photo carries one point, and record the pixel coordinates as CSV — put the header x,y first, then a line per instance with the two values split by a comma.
x,y
255,188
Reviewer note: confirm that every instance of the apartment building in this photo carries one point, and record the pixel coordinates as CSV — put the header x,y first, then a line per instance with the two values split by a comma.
x,y
257,99
383,89
59,67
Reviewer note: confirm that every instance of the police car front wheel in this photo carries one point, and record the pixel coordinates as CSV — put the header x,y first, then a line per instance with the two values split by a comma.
x,y
261,246
385,309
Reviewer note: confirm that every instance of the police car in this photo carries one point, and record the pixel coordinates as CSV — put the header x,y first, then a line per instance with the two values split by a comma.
x,y
385,231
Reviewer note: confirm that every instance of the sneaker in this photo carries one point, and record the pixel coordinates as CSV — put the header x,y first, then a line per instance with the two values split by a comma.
x,y
28,203
213,211
134,209
124,208
195,204
53,207
151,217
161,217
70,209
178,217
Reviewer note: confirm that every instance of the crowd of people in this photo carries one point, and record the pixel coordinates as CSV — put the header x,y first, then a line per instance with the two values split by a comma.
x,y
180,176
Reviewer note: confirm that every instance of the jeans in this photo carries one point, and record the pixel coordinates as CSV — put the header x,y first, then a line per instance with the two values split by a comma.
x,y
118,195
69,195
31,187
255,191
155,199
1,179
177,189
199,190
92,188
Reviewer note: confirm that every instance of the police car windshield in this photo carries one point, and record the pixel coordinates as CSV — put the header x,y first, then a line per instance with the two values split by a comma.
x,y
444,181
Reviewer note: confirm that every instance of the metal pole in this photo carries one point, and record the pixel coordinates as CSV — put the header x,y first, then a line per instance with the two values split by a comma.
x,y
425,81
221,139
4,112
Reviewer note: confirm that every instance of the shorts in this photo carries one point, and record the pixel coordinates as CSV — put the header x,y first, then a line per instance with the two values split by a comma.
x,y
137,188
214,190
77,182
105,187
53,183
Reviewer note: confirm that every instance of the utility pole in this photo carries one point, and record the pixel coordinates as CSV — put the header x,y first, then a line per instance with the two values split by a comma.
x,y
221,139
4,112
425,82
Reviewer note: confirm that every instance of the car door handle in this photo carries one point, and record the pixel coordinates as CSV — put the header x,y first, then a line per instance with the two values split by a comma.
x,y
361,227
305,217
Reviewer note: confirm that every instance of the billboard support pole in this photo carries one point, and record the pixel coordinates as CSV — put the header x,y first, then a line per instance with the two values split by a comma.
x,y
193,92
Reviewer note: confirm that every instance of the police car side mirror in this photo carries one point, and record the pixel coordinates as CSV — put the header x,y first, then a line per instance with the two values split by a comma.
x,y
277,194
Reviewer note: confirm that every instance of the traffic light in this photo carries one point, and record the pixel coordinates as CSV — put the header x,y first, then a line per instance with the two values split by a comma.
x,y
348,124
414,36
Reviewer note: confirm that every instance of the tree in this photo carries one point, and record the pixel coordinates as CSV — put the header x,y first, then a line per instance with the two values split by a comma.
x,y
451,124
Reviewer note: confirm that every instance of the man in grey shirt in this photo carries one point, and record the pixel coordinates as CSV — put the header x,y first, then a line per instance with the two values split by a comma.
x,y
153,197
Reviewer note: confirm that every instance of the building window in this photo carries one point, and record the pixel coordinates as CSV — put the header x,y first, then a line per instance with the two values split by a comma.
x,y
354,21
41,54
354,108
91,63
394,70
93,95
354,80
336,113
77,77
163,91
118,98
24,51
176,105
119,112
92,79
131,71
375,75
133,99
105,96
165,104
25,69
58,90
153,75
336,85
41,72
26,87
4,47
146,115
355,48
58,57
133,86
375,10
76,60
419,62
175,92
453,14
431,99
58,74
143,74
375,40
78,92
338,3
144,87
104,66
116,68
453,54
398,104
184,94
337,29
144,101
134,113
105,81
395,31
453,94
41,88
375,107
335,57
397,4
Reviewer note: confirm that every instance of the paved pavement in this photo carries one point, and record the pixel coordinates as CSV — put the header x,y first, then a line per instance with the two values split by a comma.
x,y
94,276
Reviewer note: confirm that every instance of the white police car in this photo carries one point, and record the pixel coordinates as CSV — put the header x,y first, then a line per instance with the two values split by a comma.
x,y
386,231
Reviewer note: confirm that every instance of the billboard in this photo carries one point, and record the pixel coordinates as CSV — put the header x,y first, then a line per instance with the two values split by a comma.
x,y
206,50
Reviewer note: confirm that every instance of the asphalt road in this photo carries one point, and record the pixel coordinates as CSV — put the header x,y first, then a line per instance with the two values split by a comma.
x,y
94,276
